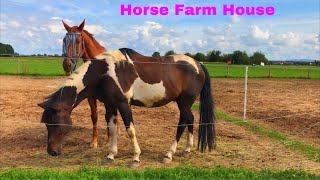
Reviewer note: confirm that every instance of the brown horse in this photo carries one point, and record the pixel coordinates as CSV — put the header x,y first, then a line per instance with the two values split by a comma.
x,y
124,78
79,43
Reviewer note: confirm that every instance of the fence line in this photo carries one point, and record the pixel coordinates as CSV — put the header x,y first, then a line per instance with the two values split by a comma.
x,y
208,64
151,125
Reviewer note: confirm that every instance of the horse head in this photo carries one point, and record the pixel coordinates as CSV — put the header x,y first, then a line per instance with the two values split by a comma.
x,y
78,43
56,117
73,47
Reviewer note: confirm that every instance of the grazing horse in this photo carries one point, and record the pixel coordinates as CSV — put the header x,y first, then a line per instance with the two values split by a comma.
x,y
128,78
79,43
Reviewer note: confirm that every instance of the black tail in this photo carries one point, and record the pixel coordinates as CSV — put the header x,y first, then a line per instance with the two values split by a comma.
x,y
207,134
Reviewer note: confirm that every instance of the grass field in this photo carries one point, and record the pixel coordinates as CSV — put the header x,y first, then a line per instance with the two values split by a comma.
x,y
37,66
181,172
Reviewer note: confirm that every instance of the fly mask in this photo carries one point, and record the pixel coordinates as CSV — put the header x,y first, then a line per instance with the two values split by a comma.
x,y
73,47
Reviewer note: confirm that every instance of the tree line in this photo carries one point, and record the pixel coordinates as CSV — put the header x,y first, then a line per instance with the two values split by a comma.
x,y
236,57
6,49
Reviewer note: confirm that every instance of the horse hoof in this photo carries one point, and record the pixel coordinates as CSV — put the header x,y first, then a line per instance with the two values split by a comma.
x,y
94,145
166,160
107,161
134,164
186,154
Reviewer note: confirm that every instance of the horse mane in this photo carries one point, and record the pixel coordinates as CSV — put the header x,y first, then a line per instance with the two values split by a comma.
x,y
89,34
65,95
49,116
130,52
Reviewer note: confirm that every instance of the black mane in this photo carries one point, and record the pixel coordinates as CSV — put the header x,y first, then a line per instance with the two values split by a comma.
x,y
130,52
49,116
65,95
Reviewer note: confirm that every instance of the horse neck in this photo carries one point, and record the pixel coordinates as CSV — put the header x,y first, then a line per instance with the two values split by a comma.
x,y
93,48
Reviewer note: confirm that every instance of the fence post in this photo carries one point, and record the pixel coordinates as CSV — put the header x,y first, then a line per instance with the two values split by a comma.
x,y
245,93
228,69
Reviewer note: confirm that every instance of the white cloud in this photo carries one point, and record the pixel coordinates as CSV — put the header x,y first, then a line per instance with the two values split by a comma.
x,y
256,37
235,19
29,33
287,39
55,18
59,18
14,24
96,29
49,9
56,28
259,34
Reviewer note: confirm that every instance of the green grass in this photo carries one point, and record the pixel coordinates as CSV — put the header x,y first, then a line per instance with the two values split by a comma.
x,y
32,66
309,151
276,71
180,172
51,66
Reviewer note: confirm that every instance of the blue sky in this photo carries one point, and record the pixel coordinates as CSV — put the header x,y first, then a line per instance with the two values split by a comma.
x,y
34,26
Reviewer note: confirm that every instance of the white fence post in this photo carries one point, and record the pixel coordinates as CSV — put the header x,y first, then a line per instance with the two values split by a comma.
x,y
245,93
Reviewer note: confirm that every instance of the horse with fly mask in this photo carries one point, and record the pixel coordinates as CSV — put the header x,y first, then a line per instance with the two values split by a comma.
x,y
77,44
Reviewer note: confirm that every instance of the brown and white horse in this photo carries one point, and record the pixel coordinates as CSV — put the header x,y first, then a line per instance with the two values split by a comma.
x,y
124,78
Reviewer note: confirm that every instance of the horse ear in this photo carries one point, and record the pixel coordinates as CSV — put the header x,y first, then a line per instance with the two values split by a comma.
x,y
44,104
81,26
48,104
68,28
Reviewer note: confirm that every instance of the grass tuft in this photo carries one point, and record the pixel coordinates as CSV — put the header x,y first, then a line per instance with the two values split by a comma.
x,y
179,172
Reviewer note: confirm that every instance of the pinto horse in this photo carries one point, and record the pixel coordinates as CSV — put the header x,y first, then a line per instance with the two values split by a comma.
x,y
124,78
79,43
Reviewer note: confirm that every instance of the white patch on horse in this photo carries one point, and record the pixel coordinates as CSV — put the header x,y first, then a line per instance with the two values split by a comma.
x,y
113,58
187,59
117,55
76,77
113,133
189,143
146,93
136,148
172,149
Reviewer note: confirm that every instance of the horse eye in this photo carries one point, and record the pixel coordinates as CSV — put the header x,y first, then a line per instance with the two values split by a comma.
x,y
69,65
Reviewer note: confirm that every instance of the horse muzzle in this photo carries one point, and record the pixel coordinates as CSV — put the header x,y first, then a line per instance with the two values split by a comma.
x,y
54,151
68,66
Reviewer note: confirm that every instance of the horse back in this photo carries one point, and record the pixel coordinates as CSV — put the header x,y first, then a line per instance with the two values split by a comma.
x,y
161,80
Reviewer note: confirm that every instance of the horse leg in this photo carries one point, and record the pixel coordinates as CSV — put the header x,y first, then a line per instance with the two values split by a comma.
x,y
111,118
94,118
186,117
181,126
126,115
189,144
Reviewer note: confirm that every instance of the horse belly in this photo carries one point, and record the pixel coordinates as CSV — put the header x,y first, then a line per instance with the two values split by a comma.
x,y
149,95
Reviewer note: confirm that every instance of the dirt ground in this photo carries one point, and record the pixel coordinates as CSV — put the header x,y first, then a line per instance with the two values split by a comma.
x,y
290,106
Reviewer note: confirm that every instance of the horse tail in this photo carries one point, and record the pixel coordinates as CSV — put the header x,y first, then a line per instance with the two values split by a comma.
x,y
207,134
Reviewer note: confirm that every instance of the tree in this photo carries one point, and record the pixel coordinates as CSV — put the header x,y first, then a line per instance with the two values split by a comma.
x,y
190,55
200,57
244,59
226,57
214,56
156,54
168,53
259,57
6,49
239,57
